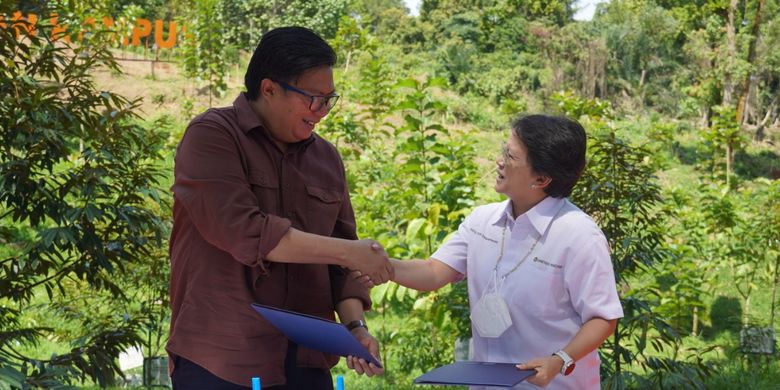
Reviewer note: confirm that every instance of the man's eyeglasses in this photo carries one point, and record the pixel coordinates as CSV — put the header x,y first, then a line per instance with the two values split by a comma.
x,y
317,102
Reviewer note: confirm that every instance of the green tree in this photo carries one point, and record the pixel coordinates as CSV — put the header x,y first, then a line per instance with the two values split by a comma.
x,y
640,37
349,39
702,81
683,282
558,11
370,11
744,251
205,47
243,22
724,138
321,16
77,176
769,233
620,192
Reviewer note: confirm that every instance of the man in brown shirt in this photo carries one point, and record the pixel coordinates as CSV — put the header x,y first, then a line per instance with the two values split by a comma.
x,y
262,214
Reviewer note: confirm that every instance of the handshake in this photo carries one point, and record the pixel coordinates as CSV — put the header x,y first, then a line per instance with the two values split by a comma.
x,y
369,262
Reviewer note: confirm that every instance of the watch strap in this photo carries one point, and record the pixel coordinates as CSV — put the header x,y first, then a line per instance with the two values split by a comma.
x,y
356,324
568,362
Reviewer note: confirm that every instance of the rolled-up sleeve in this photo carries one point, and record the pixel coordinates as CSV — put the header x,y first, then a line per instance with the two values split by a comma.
x,y
211,184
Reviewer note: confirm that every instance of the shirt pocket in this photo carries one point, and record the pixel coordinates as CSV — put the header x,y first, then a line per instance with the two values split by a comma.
x,y
321,209
544,294
265,190
546,265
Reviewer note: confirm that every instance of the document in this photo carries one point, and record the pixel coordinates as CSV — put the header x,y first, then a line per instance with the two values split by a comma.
x,y
316,333
475,374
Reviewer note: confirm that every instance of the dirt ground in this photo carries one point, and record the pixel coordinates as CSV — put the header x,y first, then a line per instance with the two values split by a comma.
x,y
163,88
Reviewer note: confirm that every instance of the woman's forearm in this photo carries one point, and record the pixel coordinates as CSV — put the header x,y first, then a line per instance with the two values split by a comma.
x,y
423,275
590,337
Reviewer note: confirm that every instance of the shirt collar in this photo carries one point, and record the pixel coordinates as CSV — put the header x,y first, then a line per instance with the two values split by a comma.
x,y
247,118
502,214
540,215
248,121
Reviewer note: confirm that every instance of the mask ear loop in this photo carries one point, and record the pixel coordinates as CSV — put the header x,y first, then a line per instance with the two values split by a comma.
x,y
494,279
500,283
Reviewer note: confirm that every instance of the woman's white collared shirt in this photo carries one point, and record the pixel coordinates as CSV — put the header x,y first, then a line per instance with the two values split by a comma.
x,y
567,280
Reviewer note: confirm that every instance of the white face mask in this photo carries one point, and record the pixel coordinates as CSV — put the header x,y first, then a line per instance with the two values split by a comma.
x,y
491,316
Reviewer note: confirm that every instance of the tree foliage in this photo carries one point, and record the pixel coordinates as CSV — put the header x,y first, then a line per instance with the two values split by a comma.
x,y
619,191
243,22
205,47
77,177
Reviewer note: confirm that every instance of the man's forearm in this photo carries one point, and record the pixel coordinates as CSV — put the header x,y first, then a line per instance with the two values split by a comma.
x,y
300,247
350,309
366,256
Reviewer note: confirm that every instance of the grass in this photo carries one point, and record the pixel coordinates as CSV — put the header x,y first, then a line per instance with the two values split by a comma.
x,y
759,374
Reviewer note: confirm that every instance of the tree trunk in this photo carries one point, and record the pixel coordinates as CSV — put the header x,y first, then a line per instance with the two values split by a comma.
x,y
590,73
774,292
731,49
616,350
755,31
729,158
770,112
695,324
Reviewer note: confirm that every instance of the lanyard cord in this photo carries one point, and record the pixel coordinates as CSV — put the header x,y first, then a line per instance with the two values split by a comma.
x,y
519,263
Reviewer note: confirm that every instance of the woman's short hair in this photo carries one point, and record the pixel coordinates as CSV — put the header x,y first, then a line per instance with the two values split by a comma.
x,y
555,147
284,54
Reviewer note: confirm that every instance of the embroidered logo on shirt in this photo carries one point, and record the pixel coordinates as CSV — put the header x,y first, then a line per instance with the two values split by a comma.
x,y
547,263
483,236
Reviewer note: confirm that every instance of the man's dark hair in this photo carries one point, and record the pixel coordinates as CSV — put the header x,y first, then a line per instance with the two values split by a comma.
x,y
284,54
555,147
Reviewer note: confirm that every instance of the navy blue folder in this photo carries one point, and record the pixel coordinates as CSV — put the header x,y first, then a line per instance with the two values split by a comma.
x,y
475,374
316,333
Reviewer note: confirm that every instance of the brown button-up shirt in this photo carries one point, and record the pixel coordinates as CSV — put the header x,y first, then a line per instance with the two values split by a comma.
x,y
235,195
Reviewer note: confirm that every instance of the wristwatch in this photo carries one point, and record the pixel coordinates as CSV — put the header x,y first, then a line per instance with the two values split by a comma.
x,y
568,362
356,324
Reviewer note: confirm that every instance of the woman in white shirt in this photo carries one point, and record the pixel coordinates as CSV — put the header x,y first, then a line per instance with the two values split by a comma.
x,y
540,280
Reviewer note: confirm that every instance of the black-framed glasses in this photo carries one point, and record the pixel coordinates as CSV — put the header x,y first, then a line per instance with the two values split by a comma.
x,y
316,102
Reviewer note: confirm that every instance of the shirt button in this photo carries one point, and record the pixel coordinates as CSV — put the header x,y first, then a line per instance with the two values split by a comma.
x,y
290,214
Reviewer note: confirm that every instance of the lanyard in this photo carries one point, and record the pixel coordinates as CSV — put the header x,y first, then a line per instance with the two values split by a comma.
x,y
498,283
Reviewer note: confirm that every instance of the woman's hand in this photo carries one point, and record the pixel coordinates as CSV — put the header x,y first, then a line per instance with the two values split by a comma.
x,y
546,369
360,365
362,278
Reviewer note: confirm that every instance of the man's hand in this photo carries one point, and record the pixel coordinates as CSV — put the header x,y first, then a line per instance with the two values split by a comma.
x,y
370,259
360,365
546,369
